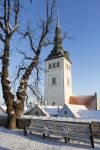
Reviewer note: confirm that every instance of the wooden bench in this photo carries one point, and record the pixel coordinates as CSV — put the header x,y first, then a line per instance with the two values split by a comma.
x,y
47,127
79,131
96,128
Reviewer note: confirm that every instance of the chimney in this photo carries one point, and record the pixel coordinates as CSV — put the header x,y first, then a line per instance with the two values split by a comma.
x,y
58,109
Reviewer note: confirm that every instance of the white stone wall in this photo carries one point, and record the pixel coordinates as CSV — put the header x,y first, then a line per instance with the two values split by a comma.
x,y
67,81
59,92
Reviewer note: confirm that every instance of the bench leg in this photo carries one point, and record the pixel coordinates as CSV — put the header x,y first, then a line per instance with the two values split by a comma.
x,y
68,139
25,132
43,136
65,139
92,141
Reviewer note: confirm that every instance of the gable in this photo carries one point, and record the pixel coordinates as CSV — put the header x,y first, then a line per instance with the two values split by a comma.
x,y
66,112
37,111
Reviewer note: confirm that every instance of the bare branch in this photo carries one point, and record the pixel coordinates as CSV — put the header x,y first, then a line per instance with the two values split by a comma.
x,y
1,18
46,43
37,75
35,92
8,15
25,57
0,57
16,9
18,73
46,25
28,34
66,35
12,30
5,13
2,26
1,38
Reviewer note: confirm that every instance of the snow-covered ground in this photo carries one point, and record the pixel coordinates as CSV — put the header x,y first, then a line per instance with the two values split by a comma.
x,y
15,140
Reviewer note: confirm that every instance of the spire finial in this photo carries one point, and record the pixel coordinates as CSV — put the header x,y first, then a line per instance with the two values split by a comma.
x,y
58,24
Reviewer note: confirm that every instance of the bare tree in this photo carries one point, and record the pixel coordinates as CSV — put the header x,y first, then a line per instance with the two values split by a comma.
x,y
15,108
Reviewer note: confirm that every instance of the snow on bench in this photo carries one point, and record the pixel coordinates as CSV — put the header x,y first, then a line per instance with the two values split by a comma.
x,y
80,131
49,128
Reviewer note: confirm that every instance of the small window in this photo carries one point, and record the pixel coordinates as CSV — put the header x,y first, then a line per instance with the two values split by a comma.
x,y
58,64
49,66
53,80
65,112
53,65
53,103
36,113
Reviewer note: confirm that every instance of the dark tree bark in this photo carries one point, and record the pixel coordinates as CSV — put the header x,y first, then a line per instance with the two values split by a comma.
x,y
6,36
15,109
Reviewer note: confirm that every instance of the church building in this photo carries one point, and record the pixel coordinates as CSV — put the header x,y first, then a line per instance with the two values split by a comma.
x,y
58,82
58,79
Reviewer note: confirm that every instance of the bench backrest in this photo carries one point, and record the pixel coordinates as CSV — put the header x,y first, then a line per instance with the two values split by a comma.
x,y
48,124
76,128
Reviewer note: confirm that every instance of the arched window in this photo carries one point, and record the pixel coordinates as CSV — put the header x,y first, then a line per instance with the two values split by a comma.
x,y
49,66
53,80
53,65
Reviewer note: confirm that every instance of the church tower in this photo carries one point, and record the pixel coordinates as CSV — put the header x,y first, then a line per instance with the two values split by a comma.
x,y
58,82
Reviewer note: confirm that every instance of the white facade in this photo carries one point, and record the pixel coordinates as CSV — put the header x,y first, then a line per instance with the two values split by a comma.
x,y
58,82
70,110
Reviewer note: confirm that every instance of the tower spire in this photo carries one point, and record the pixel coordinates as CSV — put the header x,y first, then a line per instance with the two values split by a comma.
x,y
58,50
58,23
58,39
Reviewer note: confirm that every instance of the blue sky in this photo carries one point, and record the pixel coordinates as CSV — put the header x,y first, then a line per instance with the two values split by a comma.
x,y
81,20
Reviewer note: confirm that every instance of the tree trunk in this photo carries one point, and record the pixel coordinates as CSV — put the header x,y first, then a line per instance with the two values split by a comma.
x,y
11,122
7,94
19,107
21,92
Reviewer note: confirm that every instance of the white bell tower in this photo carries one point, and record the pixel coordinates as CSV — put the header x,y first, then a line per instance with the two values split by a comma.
x,y
58,82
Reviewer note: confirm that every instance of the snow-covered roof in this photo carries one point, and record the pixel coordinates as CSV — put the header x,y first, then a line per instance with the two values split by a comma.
x,y
53,110
90,114
43,109
49,110
75,109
